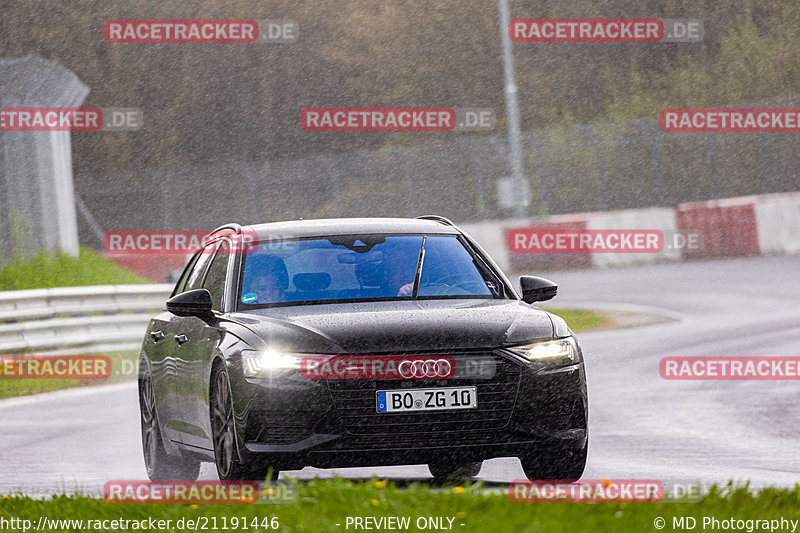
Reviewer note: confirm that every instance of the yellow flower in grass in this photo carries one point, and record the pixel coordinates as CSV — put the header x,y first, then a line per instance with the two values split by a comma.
x,y
6,497
374,502
194,506
380,484
458,490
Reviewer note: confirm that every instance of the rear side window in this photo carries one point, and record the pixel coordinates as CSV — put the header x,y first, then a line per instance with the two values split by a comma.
x,y
195,280
181,285
217,272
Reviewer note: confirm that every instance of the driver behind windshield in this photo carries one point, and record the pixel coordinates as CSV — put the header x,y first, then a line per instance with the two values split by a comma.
x,y
269,281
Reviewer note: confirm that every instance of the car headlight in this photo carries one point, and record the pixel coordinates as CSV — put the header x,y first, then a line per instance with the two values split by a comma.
x,y
556,351
265,363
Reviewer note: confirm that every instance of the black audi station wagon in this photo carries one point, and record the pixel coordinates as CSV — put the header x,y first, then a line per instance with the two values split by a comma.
x,y
358,342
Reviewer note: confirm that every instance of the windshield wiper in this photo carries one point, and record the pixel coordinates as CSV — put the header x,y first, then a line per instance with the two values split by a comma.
x,y
418,274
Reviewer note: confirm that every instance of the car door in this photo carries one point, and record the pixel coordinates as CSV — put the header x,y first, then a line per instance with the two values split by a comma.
x,y
195,354
157,345
171,413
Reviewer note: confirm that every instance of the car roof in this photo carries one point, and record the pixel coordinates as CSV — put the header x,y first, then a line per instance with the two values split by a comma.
x,y
349,226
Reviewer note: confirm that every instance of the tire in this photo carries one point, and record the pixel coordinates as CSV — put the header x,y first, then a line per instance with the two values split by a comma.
x,y
223,429
447,472
554,462
160,466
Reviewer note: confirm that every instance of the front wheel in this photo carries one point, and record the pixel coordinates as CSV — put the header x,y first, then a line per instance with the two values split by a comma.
x,y
226,455
564,462
160,466
448,472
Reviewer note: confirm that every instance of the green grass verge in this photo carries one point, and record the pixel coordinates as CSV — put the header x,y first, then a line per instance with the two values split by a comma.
x,y
583,320
324,503
123,367
61,270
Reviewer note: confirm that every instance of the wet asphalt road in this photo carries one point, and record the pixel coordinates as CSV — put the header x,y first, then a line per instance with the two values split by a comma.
x,y
640,425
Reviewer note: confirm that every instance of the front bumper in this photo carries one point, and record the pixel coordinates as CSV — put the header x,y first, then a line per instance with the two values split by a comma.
x,y
294,422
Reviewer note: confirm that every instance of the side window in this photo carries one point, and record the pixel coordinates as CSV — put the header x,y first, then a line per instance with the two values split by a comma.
x,y
181,285
195,280
217,272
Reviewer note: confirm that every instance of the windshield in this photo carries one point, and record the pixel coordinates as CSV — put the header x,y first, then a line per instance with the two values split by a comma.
x,y
362,268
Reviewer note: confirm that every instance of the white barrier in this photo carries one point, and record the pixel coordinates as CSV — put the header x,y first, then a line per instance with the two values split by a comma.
x,y
778,224
77,316
489,235
654,218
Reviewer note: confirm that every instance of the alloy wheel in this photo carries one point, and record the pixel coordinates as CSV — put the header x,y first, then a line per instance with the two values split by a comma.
x,y
222,425
149,422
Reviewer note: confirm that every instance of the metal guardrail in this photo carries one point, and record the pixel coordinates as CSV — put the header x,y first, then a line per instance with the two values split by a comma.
x,y
67,318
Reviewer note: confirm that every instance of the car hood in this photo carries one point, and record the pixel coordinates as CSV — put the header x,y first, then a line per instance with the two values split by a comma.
x,y
391,327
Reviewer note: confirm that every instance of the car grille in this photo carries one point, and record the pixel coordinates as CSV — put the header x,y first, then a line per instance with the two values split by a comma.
x,y
354,401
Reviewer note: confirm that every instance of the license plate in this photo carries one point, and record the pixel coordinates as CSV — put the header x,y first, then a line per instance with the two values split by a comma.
x,y
393,401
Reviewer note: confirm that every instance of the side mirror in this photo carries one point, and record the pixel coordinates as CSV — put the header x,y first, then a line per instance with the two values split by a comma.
x,y
535,289
191,303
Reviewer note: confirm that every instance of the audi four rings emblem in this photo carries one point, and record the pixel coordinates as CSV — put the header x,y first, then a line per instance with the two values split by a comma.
x,y
424,368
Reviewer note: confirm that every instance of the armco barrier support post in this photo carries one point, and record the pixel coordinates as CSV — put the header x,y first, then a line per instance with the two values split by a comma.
x,y
713,183
541,172
652,132
408,179
589,132
763,164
